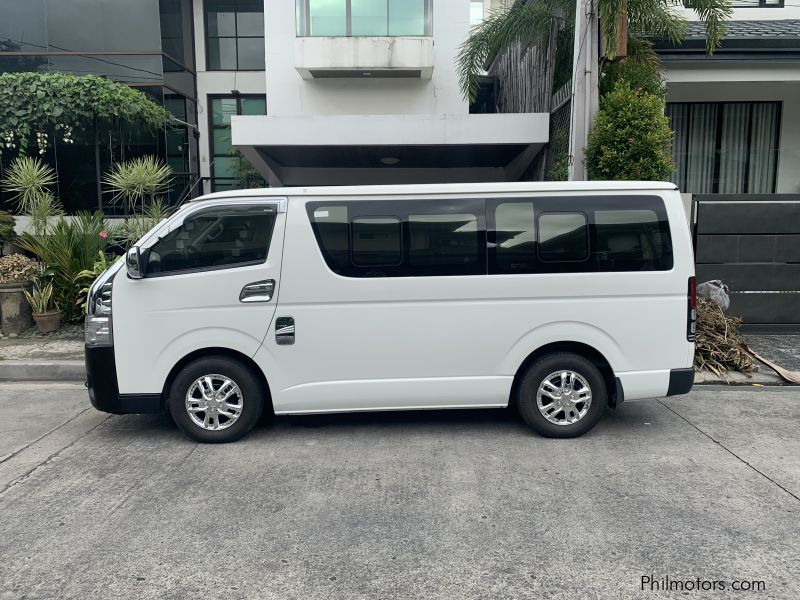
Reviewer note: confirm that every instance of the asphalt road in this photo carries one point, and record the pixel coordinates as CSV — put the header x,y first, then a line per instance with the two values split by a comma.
x,y
425,505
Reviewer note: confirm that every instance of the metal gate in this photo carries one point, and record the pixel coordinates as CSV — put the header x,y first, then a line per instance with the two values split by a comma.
x,y
752,243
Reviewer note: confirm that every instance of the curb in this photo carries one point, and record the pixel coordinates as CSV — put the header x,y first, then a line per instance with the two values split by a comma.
x,y
761,377
42,370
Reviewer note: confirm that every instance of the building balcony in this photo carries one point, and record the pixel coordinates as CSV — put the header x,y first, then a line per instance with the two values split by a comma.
x,y
362,57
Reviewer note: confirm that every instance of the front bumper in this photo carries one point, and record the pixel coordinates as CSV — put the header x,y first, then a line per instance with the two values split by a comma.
x,y
101,379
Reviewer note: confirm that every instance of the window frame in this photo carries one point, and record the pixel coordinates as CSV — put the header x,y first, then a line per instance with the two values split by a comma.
x,y
303,26
271,208
208,37
212,127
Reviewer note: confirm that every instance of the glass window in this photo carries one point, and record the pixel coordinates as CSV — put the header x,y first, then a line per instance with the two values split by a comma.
x,y
401,239
376,242
449,240
563,237
725,147
604,233
235,35
229,169
631,240
475,12
515,236
214,238
341,18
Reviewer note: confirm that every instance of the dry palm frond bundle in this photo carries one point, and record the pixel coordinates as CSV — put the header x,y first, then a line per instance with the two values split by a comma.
x,y
718,346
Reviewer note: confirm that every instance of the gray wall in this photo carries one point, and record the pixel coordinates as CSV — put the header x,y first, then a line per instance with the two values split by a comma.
x,y
752,243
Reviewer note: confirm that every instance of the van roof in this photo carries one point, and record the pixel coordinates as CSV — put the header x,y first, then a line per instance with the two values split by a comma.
x,y
449,188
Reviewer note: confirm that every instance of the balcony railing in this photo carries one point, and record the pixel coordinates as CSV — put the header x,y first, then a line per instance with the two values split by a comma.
x,y
363,18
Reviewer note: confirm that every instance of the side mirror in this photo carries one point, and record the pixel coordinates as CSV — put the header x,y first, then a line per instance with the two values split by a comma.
x,y
133,260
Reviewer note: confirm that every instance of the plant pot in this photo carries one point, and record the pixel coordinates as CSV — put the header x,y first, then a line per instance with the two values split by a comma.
x,y
48,322
15,312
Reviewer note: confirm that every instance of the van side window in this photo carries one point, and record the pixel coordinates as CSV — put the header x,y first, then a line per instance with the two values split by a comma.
x,y
406,238
579,234
376,242
215,238
563,237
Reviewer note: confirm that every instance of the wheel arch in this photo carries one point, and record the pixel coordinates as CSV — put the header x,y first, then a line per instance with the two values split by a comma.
x,y
613,384
217,351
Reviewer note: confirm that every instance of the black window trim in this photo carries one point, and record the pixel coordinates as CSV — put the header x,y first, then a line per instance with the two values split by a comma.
x,y
212,127
228,37
538,217
244,207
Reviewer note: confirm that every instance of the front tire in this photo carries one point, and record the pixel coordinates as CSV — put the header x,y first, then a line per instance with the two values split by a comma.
x,y
562,395
216,400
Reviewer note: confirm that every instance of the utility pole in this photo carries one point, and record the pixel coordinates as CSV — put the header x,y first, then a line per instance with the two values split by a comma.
x,y
585,83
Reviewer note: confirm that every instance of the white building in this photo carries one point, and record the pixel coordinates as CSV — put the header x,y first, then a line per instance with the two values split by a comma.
x,y
356,92
737,128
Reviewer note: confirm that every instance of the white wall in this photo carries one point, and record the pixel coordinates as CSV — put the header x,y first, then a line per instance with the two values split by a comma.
x,y
216,82
697,85
289,94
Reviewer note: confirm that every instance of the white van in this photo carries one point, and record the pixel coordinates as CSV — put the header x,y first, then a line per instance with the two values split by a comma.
x,y
559,298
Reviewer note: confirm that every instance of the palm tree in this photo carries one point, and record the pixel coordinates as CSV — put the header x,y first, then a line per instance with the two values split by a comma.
x,y
526,21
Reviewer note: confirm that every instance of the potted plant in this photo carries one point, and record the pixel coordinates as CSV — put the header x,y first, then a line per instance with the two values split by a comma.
x,y
17,273
45,311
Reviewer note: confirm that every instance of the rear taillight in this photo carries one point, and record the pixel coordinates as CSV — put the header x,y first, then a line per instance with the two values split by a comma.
x,y
691,316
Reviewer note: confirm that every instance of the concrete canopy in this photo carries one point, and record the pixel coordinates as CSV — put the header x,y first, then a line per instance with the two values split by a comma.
x,y
385,149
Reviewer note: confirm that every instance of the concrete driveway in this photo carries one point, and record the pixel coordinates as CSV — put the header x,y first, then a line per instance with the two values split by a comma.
x,y
425,505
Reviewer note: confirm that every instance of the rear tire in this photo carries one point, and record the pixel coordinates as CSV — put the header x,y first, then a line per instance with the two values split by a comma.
x,y
561,395
216,399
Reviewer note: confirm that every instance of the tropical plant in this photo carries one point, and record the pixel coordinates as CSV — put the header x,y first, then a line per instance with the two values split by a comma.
x,y
41,298
523,22
642,73
67,248
28,180
133,228
18,267
7,231
36,107
631,137
86,278
138,182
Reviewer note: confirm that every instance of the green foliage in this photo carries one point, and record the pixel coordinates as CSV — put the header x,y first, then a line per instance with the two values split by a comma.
x,y
639,75
41,298
142,184
631,137
525,22
7,232
36,106
86,278
18,267
67,248
28,179
559,171
138,181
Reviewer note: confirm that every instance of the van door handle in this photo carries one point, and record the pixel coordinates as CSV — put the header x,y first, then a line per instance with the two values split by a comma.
x,y
284,331
258,291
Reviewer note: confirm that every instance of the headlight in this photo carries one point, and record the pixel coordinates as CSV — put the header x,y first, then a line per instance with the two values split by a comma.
x,y
98,331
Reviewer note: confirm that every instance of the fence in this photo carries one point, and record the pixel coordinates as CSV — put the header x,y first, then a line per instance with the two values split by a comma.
x,y
752,243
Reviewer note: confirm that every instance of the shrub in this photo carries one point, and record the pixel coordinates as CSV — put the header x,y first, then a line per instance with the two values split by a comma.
x,y
631,137
7,232
28,179
18,267
644,76
67,248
